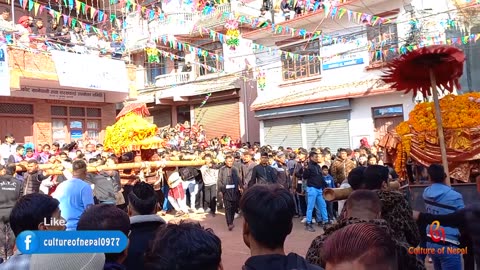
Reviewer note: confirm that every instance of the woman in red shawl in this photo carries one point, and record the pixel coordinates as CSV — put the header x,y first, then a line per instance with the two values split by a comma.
x,y
364,143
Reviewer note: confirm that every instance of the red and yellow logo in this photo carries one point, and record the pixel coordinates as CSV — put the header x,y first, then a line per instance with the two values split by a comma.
x,y
437,233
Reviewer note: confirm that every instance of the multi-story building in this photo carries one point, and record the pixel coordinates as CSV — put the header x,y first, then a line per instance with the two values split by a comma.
x,y
322,82
58,96
196,65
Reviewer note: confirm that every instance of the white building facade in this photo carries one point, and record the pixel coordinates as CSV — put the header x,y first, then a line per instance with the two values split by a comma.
x,y
336,97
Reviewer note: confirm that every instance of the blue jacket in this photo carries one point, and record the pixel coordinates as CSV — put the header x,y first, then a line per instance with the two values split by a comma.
x,y
329,180
441,199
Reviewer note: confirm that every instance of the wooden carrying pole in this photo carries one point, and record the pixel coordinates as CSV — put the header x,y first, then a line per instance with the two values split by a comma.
x,y
54,169
338,194
438,118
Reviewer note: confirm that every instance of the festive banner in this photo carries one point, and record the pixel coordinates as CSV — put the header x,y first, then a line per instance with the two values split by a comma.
x,y
96,73
4,71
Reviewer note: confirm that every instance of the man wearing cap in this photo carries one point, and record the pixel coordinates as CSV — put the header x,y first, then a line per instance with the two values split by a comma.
x,y
283,176
262,173
8,148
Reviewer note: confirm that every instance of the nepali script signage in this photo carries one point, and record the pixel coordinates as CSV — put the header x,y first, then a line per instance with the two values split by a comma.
x,y
4,71
58,94
90,72
344,63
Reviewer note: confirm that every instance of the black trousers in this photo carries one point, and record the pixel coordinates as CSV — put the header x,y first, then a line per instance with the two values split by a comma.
x,y
230,209
211,197
199,196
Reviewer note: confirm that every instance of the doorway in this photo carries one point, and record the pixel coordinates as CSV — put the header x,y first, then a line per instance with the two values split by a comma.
x,y
386,119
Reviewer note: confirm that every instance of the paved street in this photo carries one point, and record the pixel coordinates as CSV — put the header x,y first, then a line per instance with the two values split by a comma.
x,y
234,250
235,253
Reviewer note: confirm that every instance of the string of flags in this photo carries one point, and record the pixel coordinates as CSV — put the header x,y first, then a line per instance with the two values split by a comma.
x,y
68,19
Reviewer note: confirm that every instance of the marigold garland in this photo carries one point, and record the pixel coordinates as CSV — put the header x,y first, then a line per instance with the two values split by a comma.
x,y
130,130
458,112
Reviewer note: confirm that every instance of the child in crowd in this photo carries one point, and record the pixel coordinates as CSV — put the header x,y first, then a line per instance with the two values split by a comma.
x,y
330,184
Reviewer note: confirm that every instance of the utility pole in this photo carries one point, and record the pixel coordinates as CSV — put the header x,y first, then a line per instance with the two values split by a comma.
x,y
272,11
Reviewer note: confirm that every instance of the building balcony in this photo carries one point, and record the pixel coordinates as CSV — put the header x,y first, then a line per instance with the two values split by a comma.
x,y
181,23
215,17
312,21
173,79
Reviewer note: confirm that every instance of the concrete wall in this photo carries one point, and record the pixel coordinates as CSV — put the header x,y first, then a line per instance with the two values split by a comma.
x,y
42,118
361,121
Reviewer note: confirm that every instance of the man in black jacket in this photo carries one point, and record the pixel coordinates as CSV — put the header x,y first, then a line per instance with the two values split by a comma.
x,y
263,173
265,229
10,190
144,223
229,186
32,178
312,173
297,183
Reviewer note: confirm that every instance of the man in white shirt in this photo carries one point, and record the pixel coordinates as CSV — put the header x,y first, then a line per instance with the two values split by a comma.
x,y
8,148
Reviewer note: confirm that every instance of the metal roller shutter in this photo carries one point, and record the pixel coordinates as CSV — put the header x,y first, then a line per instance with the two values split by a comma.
x,y
162,117
328,130
220,117
286,132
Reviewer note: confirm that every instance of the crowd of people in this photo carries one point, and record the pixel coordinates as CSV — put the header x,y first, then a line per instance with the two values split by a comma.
x,y
34,33
374,228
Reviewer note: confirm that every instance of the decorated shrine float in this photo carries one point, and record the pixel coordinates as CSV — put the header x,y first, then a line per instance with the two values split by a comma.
x,y
443,131
134,140
417,138
134,135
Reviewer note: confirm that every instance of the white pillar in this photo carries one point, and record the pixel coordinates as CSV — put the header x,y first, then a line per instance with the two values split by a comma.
x,y
262,133
303,127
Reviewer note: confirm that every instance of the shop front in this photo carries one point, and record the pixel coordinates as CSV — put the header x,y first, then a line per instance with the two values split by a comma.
x,y
60,96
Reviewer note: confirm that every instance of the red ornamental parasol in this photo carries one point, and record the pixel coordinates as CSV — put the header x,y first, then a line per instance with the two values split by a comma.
x,y
423,70
137,108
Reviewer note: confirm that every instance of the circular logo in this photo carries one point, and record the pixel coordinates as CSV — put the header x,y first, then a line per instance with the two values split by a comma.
x,y
27,242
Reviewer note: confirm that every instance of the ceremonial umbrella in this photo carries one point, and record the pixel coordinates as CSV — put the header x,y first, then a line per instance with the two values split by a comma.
x,y
423,70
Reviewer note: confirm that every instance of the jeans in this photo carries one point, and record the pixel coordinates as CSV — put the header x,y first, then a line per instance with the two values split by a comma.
x,y
331,214
315,199
192,187
445,261
165,190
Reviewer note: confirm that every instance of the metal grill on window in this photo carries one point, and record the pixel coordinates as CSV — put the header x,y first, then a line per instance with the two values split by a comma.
x,y
14,108
94,112
59,110
76,111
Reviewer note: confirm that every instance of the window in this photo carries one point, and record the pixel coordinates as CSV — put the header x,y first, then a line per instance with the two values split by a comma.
x,y
306,65
15,108
183,114
212,59
382,42
153,70
388,111
75,123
